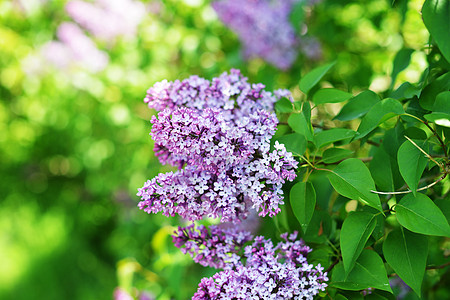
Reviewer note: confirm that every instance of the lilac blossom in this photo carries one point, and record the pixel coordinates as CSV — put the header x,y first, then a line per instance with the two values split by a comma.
x,y
194,193
107,19
218,134
215,247
263,27
259,270
229,92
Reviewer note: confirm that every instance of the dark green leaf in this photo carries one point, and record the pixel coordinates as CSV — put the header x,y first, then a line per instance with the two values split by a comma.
x,y
380,168
294,142
401,61
355,232
332,155
299,124
405,91
368,272
330,96
303,202
441,110
412,162
406,252
358,106
436,16
312,78
444,206
419,214
380,112
352,179
329,136
431,91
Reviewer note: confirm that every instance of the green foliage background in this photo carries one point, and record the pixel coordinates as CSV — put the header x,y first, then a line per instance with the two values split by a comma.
x,y
74,146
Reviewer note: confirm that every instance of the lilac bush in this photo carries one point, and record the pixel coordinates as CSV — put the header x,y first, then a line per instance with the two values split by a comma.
x,y
220,141
264,29
258,270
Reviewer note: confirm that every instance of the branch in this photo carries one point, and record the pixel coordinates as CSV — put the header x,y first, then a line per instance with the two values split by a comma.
x,y
410,191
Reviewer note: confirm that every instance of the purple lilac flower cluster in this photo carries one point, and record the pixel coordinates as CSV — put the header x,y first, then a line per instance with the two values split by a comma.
x,y
216,247
261,271
263,27
220,133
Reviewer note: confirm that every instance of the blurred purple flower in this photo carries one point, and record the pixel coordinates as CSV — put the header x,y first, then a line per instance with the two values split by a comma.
x,y
107,19
264,28
74,47
120,294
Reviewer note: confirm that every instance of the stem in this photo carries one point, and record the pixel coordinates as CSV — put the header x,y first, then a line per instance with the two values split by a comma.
x,y
441,142
410,191
426,154
332,265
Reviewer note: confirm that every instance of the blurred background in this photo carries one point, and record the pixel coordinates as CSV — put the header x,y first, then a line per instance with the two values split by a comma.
x,y
74,143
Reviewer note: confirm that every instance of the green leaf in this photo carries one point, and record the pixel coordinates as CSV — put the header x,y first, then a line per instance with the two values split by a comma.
x,y
299,124
435,15
412,163
405,91
283,106
355,232
430,92
441,110
406,252
419,214
303,202
329,136
401,61
352,179
332,155
330,96
358,106
294,142
368,272
380,168
444,206
380,112
312,78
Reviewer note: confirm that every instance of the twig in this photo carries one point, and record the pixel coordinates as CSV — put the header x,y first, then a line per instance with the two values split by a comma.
x,y
426,154
410,191
332,265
